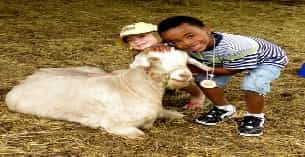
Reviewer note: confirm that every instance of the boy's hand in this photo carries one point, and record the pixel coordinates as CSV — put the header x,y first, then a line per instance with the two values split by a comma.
x,y
161,48
194,69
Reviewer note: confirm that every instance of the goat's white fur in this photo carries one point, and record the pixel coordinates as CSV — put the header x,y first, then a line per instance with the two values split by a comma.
x,y
170,61
119,102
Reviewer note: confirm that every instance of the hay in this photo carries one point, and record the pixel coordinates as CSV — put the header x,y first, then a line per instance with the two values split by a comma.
x,y
61,33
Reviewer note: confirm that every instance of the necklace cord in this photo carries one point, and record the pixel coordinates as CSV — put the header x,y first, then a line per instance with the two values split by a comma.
x,y
211,75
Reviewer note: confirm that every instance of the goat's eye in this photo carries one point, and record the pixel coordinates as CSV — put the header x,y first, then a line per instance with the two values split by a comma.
x,y
171,43
153,59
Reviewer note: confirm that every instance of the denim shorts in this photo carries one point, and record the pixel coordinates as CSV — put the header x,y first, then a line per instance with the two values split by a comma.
x,y
257,80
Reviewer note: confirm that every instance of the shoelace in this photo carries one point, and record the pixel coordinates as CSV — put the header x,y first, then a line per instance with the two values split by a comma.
x,y
216,113
251,122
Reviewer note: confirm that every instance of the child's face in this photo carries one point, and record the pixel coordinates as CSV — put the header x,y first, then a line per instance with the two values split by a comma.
x,y
188,37
141,41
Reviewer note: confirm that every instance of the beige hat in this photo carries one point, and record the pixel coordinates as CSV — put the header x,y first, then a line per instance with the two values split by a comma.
x,y
137,28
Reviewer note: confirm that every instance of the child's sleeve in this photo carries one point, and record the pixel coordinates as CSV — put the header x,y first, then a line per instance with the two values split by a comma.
x,y
242,56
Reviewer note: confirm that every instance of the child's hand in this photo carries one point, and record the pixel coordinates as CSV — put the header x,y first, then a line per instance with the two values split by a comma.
x,y
194,104
161,48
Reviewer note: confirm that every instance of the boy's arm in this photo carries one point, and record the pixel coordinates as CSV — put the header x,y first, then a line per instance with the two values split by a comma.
x,y
223,71
193,66
217,70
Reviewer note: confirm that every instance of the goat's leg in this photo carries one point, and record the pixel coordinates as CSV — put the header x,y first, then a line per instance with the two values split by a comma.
x,y
171,114
128,132
148,125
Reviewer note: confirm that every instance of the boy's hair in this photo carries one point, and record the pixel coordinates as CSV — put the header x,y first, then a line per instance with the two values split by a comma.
x,y
175,21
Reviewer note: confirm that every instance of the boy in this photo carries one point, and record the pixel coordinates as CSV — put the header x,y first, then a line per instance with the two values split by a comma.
x,y
230,54
140,36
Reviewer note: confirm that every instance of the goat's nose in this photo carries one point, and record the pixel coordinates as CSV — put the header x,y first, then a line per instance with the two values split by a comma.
x,y
181,75
184,76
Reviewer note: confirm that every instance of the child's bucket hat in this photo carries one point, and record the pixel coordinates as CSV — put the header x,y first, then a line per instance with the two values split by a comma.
x,y
137,28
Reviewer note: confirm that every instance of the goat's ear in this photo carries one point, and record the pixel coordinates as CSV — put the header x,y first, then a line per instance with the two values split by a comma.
x,y
154,61
198,64
140,61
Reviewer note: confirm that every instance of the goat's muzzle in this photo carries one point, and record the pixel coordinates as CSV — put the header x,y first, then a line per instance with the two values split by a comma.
x,y
179,78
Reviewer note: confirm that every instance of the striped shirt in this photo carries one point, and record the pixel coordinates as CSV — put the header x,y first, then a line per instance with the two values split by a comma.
x,y
241,52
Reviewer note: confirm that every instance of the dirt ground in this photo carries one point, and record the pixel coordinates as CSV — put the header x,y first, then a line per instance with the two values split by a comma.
x,y
61,33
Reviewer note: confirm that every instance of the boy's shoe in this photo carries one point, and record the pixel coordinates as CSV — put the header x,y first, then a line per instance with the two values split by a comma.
x,y
251,126
215,115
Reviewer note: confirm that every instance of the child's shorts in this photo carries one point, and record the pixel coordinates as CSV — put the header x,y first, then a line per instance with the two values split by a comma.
x,y
257,80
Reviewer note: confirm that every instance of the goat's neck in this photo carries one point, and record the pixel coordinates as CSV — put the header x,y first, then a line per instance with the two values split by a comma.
x,y
139,82
158,77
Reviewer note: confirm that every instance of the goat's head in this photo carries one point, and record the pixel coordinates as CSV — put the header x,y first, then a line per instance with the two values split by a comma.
x,y
171,64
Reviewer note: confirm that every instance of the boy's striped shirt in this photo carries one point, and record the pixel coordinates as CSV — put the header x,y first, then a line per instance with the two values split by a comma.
x,y
241,52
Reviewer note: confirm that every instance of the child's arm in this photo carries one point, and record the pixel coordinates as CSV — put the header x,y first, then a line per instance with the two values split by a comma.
x,y
160,47
223,71
217,71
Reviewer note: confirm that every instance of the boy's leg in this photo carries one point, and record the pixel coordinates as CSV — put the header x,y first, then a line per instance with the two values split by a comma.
x,y
197,96
256,84
255,102
194,90
222,109
216,95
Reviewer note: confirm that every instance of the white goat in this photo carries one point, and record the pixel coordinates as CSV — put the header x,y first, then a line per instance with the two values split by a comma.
x,y
119,102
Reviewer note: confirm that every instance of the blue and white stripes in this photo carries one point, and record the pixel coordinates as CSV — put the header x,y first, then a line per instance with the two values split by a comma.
x,y
271,54
241,52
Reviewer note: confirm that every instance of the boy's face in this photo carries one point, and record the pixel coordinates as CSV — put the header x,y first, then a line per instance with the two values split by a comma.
x,y
141,41
188,37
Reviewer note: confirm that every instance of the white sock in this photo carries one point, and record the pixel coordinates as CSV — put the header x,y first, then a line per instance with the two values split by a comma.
x,y
259,115
227,107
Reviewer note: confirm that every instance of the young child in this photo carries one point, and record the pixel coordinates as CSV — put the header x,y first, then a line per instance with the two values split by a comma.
x,y
230,54
140,36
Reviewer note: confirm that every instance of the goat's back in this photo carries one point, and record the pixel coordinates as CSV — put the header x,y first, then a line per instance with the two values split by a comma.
x,y
70,94
50,88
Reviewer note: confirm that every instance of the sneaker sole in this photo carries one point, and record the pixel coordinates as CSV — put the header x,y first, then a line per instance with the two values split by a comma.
x,y
250,135
203,123
212,124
